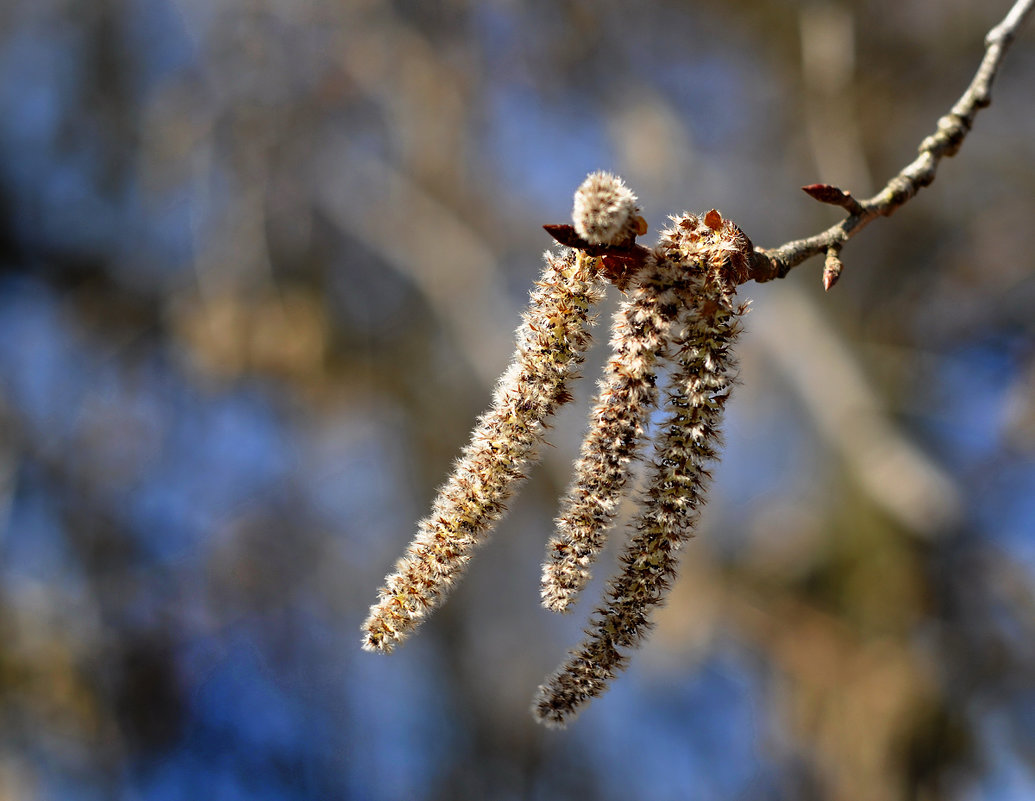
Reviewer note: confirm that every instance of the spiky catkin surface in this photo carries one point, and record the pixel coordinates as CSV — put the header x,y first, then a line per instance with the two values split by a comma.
x,y
617,423
702,352
551,345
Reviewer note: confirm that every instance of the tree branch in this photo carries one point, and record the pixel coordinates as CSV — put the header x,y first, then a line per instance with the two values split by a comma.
x,y
769,263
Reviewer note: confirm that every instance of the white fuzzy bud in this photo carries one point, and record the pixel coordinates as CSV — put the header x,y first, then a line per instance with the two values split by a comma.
x,y
605,211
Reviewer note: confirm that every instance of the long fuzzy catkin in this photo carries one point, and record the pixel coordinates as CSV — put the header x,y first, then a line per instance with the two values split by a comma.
x,y
551,345
710,253
618,421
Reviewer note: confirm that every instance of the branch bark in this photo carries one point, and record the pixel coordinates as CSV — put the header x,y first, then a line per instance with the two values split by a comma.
x,y
769,263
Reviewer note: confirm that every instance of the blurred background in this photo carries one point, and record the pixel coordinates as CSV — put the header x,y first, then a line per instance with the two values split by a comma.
x,y
260,265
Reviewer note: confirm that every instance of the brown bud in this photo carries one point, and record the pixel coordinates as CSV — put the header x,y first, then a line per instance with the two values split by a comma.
x,y
832,268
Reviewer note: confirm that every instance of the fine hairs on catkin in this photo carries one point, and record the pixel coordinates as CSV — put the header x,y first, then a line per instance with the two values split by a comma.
x,y
678,310
551,345
605,212
618,421
701,347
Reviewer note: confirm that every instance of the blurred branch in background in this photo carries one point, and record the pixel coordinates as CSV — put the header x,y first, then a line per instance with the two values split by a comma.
x,y
451,265
904,482
911,488
827,70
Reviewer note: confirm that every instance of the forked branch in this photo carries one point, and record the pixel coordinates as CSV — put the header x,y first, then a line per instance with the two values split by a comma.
x,y
769,263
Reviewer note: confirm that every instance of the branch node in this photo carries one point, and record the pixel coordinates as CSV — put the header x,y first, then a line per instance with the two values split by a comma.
x,y
899,190
946,141
763,267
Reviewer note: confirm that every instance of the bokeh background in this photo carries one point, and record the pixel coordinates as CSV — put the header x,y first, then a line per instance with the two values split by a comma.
x,y
260,264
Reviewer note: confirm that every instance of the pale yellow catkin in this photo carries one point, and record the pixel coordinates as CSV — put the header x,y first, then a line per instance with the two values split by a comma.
x,y
702,351
626,396
551,345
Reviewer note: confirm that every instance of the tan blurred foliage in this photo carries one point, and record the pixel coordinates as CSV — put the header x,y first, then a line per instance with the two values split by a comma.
x,y
360,241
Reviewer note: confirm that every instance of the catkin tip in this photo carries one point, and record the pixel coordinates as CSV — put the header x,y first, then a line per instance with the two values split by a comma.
x,y
550,711
375,638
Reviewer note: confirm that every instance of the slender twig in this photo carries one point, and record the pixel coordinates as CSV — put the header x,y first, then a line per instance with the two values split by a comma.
x,y
770,263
